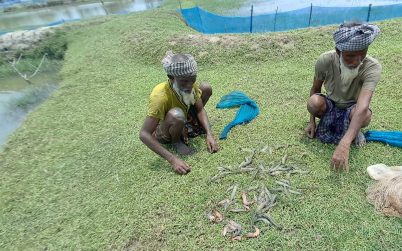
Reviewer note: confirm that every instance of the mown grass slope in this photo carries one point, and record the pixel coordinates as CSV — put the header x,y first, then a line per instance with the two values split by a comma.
x,y
76,176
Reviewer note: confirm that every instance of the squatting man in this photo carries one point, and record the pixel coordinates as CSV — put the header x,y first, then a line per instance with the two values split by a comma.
x,y
176,112
349,77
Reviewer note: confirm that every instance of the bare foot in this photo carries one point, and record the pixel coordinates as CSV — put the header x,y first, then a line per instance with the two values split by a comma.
x,y
360,140
182,148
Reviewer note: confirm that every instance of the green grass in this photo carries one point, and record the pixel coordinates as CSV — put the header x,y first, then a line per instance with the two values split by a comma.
x,y
76,176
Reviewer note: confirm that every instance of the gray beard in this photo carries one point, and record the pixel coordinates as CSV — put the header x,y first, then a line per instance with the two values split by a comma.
x,y
187,98
347,74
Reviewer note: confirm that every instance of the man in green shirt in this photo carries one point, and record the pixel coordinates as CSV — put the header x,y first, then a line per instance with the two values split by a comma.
x,y
349,77
176,111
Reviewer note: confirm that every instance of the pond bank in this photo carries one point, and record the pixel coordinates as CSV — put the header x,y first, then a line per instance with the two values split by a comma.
x,y
24,40
30,62
15,105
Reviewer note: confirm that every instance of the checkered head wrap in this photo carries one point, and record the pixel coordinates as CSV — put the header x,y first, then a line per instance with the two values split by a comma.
x,y
186,67
356,38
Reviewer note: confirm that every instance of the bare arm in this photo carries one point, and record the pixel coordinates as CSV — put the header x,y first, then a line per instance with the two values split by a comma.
x,y
203,118
146,137
362,107
317,85
316,88
340,158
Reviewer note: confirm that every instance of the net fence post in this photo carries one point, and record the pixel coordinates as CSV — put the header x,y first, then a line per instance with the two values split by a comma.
x,y
276,14
201,23
311,11
368,13
181,9
251,19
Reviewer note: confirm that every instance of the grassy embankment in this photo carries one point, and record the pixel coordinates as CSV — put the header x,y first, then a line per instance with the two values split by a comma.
x,y
76,176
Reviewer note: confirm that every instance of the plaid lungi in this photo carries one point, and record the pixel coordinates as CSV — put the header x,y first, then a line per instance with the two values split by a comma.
x,y
193,125
334,123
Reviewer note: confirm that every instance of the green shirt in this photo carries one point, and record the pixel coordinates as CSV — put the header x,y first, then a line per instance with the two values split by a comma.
x,y
327,69
163,98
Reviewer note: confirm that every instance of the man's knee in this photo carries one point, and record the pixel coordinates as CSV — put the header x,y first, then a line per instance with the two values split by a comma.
x,y
316,105
366,116
175,115
206,90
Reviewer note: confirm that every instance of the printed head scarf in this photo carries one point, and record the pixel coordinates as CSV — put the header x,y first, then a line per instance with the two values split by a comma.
x,y
176,68
356,38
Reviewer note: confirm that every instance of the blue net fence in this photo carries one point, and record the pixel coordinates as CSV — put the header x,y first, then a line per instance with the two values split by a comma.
x,y
209,23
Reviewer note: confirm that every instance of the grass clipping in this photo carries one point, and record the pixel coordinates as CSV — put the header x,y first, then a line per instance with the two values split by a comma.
x,y
264,196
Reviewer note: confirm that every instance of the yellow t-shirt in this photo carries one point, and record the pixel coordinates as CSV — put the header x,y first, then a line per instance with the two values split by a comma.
x,y
163,98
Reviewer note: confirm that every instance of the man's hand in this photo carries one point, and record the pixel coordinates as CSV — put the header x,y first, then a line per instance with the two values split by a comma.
x,y
179,166
310,130
340,158
211,144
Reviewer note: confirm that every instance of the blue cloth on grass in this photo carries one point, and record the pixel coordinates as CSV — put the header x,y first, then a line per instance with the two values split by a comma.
x,y
247,112
393,138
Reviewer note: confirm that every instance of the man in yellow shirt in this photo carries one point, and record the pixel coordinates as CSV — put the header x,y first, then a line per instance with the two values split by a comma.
x,y
349,77
176,111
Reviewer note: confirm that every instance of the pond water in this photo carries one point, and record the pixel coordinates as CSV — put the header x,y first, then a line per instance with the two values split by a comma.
x,y
39,17
8,122
269,6
18,98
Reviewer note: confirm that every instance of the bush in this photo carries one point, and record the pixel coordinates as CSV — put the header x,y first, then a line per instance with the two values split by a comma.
x,y
55,47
